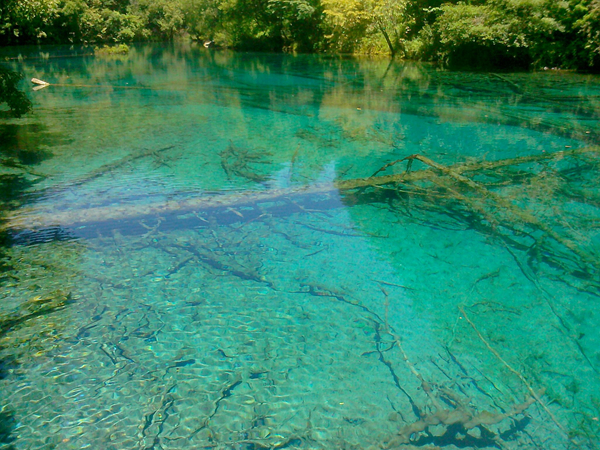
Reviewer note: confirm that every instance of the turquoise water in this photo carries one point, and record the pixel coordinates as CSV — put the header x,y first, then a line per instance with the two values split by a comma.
x,y
196,255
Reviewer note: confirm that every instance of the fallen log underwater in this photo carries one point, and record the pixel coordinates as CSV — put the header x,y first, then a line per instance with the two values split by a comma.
x,y
35,219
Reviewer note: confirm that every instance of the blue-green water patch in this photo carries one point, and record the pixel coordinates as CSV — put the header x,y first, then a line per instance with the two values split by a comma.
x,y
202,257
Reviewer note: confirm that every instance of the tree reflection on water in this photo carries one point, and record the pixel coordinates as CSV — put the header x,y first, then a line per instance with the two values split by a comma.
x,y
17,101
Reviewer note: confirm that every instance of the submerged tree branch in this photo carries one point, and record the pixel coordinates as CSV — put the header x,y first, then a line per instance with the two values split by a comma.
x,y
35,218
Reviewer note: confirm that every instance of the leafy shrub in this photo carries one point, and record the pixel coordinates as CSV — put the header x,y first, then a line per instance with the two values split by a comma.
x,y
496,34
107,25
588,28
119,49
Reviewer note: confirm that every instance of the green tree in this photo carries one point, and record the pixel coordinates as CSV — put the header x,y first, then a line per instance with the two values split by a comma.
x,y
351,22
111,21
202,18
582,22
26,21
272,25
298,22
161,18
499,33
248,25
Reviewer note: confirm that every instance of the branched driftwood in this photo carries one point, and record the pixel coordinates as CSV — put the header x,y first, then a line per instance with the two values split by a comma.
x,y
552,243
237,161
509,207
503,217
535,395
32,218
107,168
460,413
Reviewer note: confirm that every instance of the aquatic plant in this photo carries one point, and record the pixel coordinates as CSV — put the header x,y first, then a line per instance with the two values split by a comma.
x,y
119,49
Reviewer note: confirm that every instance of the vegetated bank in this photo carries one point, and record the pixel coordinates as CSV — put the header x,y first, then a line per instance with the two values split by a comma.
x,y
461,34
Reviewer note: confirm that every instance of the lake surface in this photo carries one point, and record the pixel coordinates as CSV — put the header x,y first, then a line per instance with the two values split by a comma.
x,y
203,249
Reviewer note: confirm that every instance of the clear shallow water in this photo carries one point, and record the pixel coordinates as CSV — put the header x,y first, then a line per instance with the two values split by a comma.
x,y
189,261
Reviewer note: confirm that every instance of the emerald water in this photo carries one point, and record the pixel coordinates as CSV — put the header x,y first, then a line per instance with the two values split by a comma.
x,y
199,252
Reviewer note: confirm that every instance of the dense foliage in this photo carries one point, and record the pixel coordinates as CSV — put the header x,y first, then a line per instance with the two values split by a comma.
x,y
563,33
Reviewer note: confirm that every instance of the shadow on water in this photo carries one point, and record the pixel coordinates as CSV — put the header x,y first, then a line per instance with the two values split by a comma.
x,y
12,156
20,143
17,154
457,436
22,146
16,100
7,425
12,187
